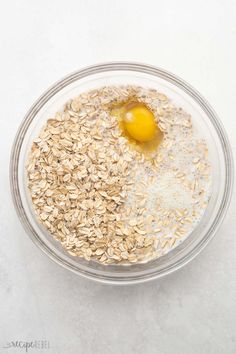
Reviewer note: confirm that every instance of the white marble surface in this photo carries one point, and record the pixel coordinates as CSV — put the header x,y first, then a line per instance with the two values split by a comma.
x,y
193,311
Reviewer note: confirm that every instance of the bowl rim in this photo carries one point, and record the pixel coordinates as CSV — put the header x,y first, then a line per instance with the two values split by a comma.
x,y
122,66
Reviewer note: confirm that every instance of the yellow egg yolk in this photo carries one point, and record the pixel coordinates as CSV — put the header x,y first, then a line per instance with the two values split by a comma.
x,y
140,123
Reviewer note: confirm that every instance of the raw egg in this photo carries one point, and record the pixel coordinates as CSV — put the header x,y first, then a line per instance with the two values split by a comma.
x,y
138,125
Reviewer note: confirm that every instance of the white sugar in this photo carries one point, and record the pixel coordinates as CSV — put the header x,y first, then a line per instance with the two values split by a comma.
x,y
171,193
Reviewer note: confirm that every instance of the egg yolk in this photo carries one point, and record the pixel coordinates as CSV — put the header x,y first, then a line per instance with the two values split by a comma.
x,y
139,123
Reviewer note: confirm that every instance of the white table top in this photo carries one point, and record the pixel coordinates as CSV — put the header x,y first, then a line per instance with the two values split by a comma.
x,y
192,311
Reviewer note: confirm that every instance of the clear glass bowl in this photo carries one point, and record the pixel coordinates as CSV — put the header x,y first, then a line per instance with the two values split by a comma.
x,y
183,95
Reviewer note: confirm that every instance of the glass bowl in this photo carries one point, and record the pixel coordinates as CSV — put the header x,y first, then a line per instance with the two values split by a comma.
x,y
183,95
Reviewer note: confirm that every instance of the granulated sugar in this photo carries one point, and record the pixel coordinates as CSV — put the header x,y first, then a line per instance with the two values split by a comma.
x,y
171,193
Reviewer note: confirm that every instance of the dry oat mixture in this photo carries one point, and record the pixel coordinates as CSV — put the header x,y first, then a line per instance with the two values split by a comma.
x,y
105,199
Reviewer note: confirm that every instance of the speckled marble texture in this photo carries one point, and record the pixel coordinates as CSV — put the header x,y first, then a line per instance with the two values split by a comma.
x,y
192,311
